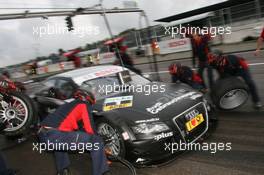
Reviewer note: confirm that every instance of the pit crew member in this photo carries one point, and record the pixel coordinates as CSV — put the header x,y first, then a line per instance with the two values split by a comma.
x,y
201,48
4,170
259,43
63,126
121,55
186,75
232,65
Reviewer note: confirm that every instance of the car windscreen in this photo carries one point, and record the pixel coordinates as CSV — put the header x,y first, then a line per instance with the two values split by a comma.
x,y
137,79
104,86
99,85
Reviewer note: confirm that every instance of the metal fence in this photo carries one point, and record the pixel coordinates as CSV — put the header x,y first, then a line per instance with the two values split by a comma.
x,y
253,10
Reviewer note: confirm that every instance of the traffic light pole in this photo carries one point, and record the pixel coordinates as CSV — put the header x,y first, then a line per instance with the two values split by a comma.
x,y
83,11
69,23
154,56
111,33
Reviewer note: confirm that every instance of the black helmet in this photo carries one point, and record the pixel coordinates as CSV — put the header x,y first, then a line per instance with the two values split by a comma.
x,y
174,68
216,60
85,95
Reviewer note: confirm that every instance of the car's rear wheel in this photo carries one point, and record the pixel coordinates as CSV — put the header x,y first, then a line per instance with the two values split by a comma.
x,y
230,93
112,137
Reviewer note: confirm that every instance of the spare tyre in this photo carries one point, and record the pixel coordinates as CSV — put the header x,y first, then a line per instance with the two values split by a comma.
x,y
230,93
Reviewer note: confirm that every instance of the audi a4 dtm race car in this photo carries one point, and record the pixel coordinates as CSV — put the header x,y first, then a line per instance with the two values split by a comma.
x,y
135,123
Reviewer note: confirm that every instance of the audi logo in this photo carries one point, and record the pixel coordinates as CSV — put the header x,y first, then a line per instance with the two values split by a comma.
x,y
190,115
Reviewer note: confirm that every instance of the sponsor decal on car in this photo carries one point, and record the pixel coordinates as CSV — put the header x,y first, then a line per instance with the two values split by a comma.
x,y
193,123
117,102
163,135
108,72
148,120
159,106
125,136
194,118
140,160
98,74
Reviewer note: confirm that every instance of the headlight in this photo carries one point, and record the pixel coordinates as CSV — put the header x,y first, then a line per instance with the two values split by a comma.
x,y
146,128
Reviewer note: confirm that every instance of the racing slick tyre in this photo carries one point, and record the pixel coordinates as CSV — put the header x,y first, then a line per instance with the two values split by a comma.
x,y
18,114
229,93
112,137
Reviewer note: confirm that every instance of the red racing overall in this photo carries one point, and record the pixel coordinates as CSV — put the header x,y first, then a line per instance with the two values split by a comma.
x,y
236,66
200,46
64,126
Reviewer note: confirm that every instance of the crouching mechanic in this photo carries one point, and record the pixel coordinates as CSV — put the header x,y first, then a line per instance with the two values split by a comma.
x,y
186,75
232,65
63,128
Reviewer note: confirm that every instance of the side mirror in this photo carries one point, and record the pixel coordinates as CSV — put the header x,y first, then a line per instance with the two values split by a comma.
x,y
146,76
126,76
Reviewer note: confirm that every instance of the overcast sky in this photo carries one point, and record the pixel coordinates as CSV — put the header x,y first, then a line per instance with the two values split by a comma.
x,y
19,43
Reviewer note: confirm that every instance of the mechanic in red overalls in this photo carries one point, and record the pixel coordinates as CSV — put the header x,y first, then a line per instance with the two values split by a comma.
x,y
259,43
186,75
6,77
72,56
63,126
233,65
116,46
200,46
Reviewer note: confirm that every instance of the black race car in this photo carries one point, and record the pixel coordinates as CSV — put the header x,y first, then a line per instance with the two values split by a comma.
x,y
136,117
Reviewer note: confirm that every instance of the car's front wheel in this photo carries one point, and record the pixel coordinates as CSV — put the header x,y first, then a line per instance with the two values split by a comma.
x,y
112,137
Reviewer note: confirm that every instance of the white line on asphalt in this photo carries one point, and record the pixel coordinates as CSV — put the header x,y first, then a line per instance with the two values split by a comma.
x,y
256,64
162,72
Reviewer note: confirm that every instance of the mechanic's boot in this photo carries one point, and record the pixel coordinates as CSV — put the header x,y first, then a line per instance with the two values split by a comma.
x,y
65,171
12,172
258,105
108,173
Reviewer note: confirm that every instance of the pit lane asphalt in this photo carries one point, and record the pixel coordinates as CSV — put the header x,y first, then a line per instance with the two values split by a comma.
x,y
244,128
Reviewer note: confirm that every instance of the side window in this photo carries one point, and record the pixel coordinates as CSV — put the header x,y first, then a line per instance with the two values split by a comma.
x,y
50,83
65,89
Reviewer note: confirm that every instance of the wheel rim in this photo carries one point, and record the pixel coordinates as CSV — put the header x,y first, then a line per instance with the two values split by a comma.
x,y
111,138
15,113
234,99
